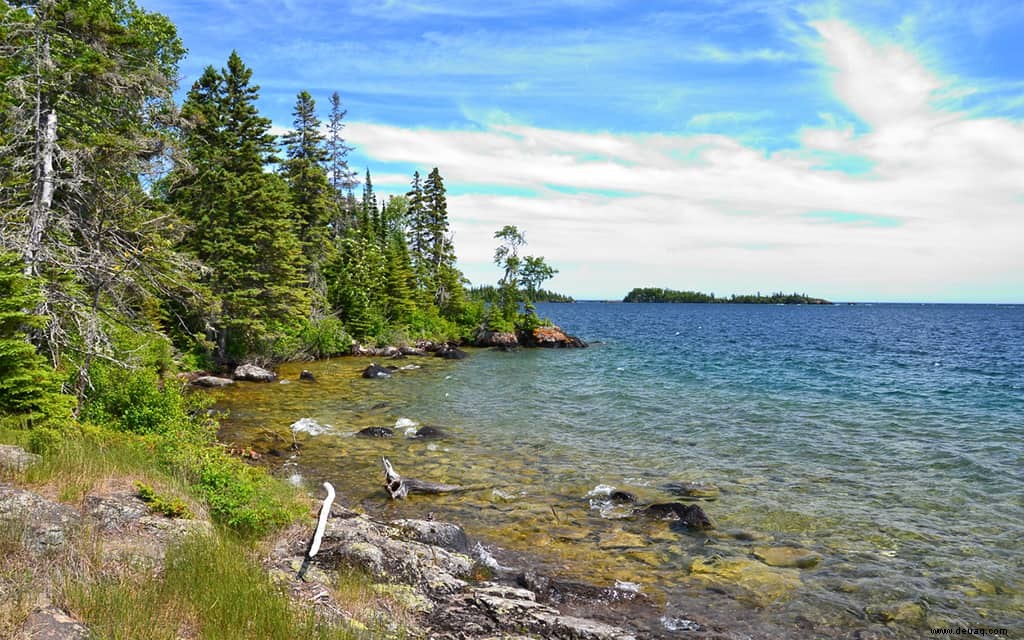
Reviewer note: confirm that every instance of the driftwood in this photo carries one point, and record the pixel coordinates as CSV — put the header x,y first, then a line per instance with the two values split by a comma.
x,y
321,524
398,487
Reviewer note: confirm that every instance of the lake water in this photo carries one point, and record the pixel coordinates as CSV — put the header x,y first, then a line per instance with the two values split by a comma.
x,y
883,444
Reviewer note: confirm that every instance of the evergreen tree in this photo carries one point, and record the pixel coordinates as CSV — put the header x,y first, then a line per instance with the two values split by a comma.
x,y
89,113
27,386
368,210
417,221
439,257
242,217
311,193
343,178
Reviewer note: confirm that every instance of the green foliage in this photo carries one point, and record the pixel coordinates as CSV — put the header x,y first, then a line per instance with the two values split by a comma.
x,y
182,439
519,283
137,401
170,507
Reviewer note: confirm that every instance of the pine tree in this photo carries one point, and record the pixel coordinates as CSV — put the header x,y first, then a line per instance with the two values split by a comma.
x,y
311,193
243,222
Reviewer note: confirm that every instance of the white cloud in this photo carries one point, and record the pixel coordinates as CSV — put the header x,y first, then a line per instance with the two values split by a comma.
x,y
707,212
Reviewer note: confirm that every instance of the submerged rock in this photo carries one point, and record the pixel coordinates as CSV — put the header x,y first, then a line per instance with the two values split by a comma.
x,y
696,490
756,582
253,373
307,375
375,432
690,515
377,371
793,557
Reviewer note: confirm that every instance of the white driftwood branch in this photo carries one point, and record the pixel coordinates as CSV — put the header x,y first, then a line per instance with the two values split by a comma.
x,y
325,511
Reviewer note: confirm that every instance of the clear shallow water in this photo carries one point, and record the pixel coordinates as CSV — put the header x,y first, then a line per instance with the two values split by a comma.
x,y
887,440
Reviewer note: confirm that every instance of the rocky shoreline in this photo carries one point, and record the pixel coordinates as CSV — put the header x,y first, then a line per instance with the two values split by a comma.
x,y
450,586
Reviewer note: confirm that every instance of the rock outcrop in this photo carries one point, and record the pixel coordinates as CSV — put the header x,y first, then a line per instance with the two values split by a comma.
x,y
212,381
550,337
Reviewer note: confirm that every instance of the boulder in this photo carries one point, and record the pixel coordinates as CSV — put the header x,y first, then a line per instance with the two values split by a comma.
x,y
412,351
375,432
212,381
51,623
428,432
550,337
307,376
689,515
439,534
505,340
450,352
253,373
15,459
44,525
377,371
622,497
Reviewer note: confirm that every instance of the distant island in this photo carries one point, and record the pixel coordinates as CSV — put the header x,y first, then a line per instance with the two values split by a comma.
x,y
657,294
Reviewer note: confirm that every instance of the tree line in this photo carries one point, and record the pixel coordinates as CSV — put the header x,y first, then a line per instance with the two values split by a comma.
x,y
140,232
657,294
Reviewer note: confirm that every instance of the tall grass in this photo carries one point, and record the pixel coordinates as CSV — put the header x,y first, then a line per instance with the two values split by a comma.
x,y
210,589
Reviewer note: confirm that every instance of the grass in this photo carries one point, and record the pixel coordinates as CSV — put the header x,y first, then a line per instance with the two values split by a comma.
x,y
211,588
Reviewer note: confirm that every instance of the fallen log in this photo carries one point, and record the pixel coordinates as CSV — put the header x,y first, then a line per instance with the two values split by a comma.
x,y
398,487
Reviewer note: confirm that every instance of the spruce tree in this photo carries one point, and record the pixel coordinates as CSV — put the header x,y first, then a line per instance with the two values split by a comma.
x,y
243,222
311,193
444,279
27,386
343,178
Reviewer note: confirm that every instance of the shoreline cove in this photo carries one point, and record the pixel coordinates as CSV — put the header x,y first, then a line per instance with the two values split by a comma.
x,y
863,561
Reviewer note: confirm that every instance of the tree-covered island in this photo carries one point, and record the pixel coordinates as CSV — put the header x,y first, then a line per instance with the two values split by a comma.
x,y
657,294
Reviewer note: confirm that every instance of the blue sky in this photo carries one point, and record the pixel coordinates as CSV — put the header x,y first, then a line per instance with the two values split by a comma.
x,y
857,151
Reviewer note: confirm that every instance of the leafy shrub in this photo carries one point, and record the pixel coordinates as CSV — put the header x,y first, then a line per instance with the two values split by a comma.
x,y
170,507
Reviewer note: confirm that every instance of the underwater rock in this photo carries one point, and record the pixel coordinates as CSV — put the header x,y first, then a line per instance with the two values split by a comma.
x,y
757,582
619,539
253,373
377,371
695,490
375,432
307,375
690,515
792,557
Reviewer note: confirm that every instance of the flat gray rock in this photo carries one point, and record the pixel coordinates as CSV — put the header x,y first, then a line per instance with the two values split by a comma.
x,y
15,459
45,525
53,624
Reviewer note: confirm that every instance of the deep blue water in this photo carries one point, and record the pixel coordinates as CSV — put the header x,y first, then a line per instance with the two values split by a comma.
x,y
886,439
